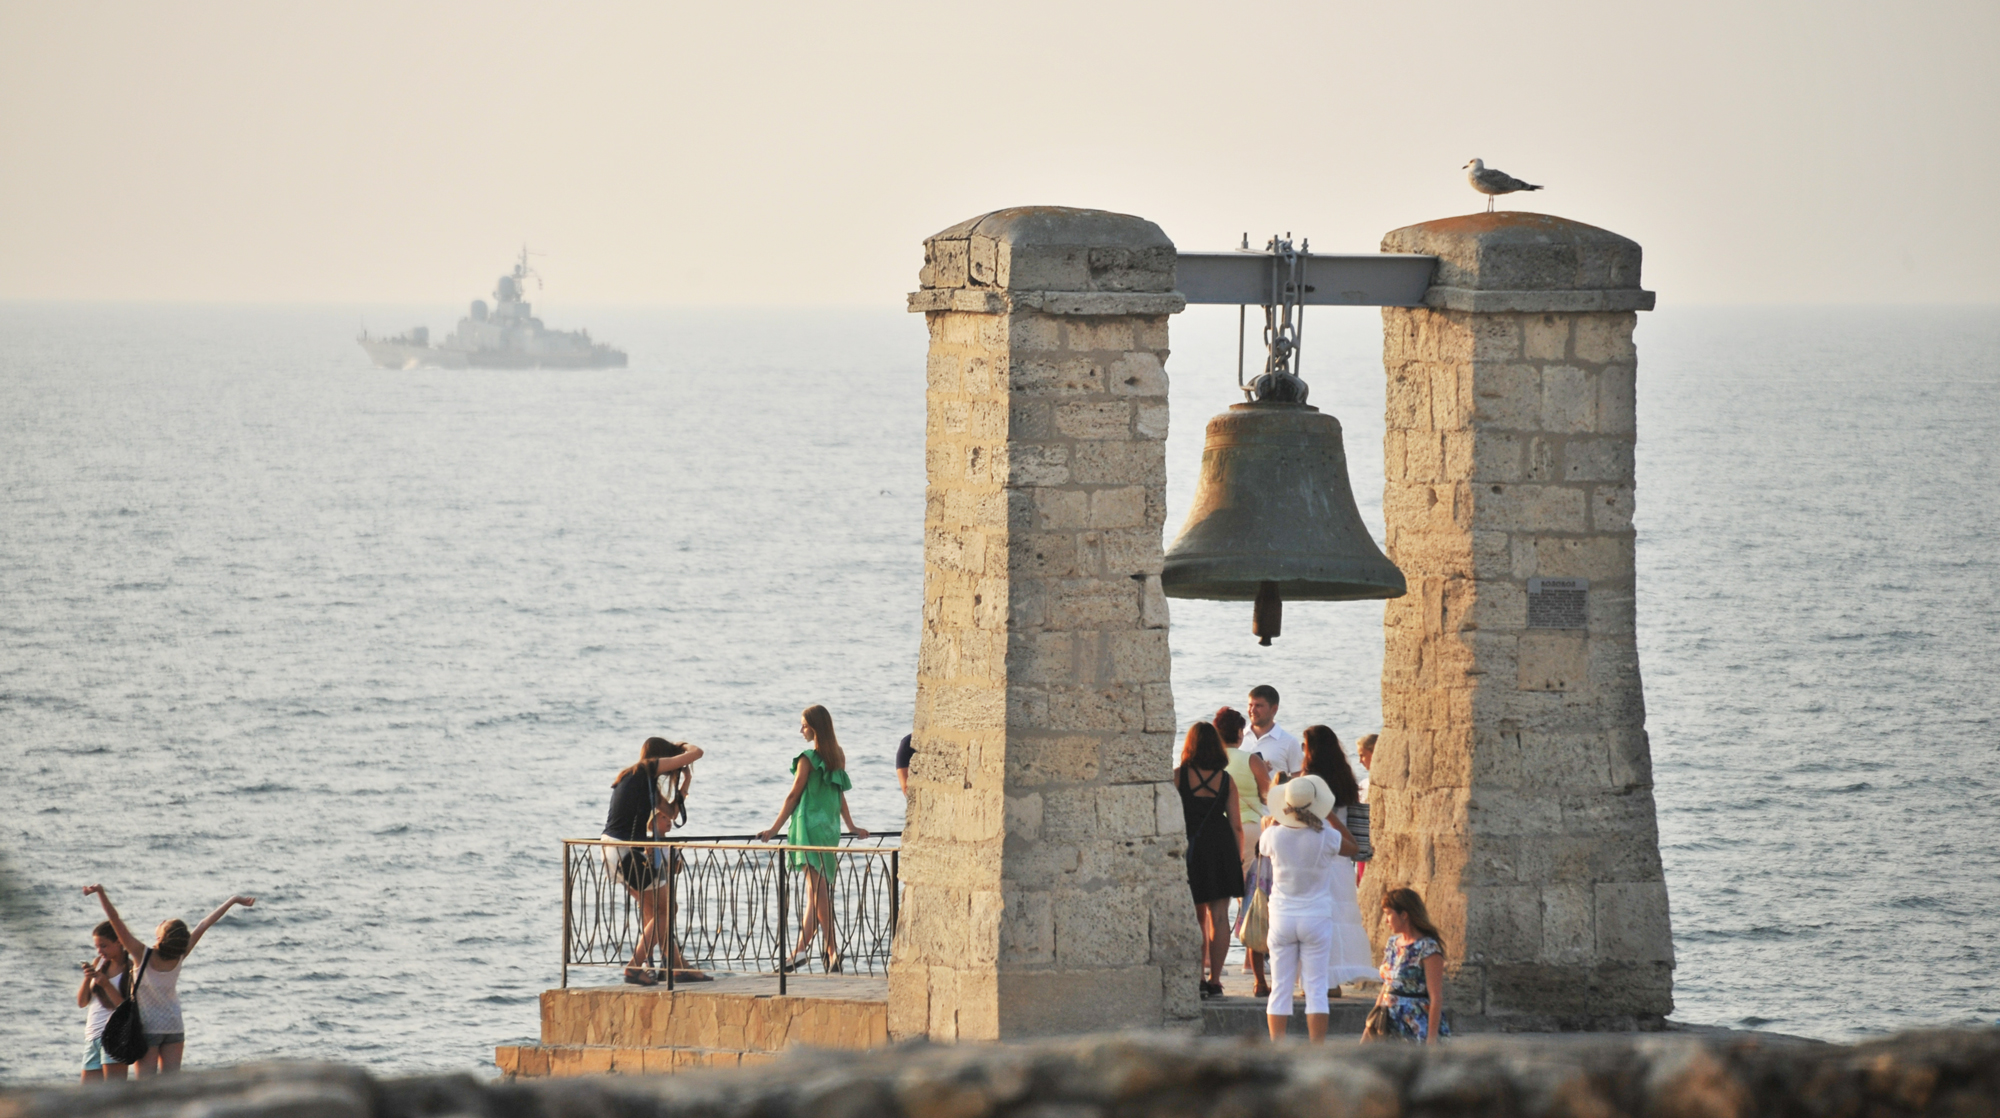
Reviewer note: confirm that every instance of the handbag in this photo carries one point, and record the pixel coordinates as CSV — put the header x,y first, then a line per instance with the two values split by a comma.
x,y
124,1032
1253,919
1357,826
1379,1027
1257,923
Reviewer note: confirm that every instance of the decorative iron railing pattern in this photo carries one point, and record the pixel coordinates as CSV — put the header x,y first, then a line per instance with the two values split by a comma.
x,y
735,904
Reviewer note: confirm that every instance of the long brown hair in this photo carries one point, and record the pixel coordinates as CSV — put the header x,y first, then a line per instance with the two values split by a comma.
x,y
174,941
824,741
1326,760
653,750
1407,902
104,930
1203,748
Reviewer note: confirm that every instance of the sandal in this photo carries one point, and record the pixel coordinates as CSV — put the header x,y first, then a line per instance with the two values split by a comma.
x,y
683,975
1211,989
1263,989
640,976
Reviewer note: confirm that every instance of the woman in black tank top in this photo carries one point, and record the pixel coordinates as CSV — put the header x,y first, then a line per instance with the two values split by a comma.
x,y
1214,867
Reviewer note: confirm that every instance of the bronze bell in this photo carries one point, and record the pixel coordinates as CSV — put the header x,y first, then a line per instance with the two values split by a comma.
x,y
1274,518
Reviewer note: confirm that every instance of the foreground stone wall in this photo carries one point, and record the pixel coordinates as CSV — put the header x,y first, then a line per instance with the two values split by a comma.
x,y
1513,783
1955,1074
1044,886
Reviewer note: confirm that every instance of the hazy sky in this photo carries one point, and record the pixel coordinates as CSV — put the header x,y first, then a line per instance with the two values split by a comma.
x,y
798,153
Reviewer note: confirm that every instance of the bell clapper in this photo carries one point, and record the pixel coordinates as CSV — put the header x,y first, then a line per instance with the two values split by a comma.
x,y
1268,615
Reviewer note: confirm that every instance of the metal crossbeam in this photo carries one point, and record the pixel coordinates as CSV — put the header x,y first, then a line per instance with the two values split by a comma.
x,y
1381,279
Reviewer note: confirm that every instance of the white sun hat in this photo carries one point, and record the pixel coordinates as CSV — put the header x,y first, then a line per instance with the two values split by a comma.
x,y
1308,793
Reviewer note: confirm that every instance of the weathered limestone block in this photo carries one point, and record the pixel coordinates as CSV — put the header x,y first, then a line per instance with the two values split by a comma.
x,y
1513,783
1044,888
1938,1074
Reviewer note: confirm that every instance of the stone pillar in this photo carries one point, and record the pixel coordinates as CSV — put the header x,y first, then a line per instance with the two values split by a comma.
x,y
1513,783
1044,883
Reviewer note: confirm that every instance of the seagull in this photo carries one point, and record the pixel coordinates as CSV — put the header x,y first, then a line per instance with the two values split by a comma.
x,y
1490,182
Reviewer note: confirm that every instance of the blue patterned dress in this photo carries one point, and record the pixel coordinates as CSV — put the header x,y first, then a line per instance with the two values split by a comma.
x,y
1408,995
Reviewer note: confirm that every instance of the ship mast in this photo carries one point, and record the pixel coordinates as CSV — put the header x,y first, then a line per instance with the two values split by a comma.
x,y
522,272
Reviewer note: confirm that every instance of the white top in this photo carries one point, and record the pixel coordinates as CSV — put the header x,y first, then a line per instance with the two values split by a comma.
x,y
1303,865
1280,749
160,999
1361,778
100,1014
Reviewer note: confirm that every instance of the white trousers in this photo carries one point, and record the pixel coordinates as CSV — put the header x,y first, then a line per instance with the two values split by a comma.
x,y
1299,941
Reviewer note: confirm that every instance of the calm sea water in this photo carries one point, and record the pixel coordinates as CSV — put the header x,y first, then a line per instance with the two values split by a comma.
x,y
366,644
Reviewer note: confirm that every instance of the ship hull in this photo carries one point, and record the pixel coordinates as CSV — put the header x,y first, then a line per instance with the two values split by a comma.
x,y
402,355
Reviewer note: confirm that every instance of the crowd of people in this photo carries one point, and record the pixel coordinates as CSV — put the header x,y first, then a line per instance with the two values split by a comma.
x,y
1268,815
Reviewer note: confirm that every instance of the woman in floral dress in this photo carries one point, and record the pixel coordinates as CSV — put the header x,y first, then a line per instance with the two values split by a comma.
x,y
1412,970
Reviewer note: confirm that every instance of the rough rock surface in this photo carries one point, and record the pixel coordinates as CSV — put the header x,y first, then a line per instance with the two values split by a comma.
x,y
1944,1073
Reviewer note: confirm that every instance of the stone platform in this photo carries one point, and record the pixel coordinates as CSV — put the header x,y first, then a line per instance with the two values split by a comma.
x,y
742,1019
733,1021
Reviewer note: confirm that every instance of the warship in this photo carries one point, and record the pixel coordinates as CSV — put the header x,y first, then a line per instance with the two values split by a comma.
x,y
505,336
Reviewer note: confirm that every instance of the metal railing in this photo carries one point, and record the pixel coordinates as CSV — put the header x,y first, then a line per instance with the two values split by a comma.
x,y
731,903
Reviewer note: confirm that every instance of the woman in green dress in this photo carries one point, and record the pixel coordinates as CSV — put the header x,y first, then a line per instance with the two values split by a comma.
x,y
816,806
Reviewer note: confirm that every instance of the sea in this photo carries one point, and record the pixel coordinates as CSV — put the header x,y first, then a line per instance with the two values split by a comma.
x,y
366,644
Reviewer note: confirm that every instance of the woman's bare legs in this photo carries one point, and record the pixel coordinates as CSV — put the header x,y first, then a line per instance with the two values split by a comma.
x,y
654,922
114,1072
170,1057
149,1064
1214,917
819,916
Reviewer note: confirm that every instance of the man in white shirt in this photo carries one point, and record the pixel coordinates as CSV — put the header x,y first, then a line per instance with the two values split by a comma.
x,y
1272,748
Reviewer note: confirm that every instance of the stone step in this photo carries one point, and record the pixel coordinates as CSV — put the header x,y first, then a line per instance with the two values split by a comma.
x,y
1244,1017
537,1061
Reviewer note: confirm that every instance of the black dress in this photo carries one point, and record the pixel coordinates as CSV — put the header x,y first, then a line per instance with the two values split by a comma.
x,y
1215,868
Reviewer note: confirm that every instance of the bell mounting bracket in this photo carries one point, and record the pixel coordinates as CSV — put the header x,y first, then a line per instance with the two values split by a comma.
x,y
1284,280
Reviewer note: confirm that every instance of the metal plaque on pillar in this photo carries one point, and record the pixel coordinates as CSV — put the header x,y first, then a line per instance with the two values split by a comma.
x,y
1558,603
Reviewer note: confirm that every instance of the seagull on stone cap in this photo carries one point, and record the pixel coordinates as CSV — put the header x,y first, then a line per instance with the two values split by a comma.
x,y
1491,182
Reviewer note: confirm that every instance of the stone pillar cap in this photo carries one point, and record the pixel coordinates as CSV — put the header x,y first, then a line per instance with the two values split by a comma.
x,y
1056,259
1525,262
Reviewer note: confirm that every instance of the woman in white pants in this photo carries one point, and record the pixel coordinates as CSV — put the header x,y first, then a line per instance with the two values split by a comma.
x,y
1305,849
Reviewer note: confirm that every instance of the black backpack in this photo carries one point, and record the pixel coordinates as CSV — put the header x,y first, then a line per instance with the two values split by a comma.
x,y
125,1033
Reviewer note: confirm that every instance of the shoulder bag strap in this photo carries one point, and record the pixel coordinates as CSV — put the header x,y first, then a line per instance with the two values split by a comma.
x,y
141,976
652,801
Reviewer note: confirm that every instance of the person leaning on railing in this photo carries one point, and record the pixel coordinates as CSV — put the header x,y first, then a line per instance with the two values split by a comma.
x,y
815,807
641,811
